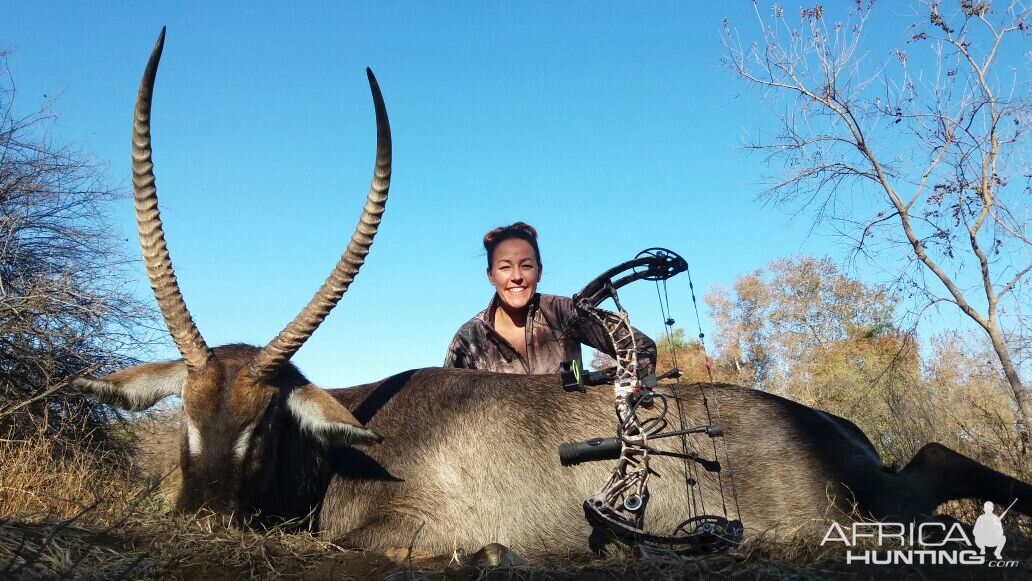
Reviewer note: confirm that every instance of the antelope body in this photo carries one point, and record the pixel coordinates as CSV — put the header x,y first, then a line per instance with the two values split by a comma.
x,y
439,458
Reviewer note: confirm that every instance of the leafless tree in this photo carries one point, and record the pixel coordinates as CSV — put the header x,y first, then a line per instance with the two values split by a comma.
x,y
65,307
919,158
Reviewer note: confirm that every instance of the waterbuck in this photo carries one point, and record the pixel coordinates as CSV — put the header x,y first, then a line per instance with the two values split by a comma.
x,y
439,458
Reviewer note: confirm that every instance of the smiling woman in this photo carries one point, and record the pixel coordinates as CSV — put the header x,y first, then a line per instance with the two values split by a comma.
x,y
522,331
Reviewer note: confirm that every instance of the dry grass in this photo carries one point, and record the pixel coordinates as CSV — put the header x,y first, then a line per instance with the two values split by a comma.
x,y
89,514
43,477
153,546
188,548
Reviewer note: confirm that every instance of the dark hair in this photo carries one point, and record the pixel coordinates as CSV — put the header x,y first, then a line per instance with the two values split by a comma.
x,y
519,230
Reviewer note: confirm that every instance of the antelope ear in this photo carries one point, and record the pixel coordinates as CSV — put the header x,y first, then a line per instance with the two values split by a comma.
x,y
137,388
326,419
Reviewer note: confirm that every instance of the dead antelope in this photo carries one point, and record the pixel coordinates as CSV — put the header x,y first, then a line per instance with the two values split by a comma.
x,y
464,457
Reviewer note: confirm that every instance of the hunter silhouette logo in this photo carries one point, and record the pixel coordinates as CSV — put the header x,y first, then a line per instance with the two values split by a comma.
x,y
989,529
926,543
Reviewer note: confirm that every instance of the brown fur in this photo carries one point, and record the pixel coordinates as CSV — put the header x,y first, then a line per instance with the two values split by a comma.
x,y
470,458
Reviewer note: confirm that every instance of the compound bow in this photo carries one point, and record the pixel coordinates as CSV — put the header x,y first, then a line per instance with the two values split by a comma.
x,y
620,504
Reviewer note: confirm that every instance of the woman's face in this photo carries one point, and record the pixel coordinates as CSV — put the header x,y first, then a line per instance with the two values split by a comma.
x,y
514,272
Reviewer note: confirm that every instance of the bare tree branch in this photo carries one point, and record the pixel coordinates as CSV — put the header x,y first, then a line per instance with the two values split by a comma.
x,y
64,304
932,138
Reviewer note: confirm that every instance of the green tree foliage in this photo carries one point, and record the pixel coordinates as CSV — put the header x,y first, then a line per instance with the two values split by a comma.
x,y
673,340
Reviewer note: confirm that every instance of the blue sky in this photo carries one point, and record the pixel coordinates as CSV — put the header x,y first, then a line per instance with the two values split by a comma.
x,y
609,127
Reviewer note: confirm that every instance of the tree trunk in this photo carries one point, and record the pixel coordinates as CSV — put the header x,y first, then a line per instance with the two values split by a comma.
x,y
1021,393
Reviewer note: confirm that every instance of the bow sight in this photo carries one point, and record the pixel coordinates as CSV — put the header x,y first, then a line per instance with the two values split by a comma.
x,y
620,504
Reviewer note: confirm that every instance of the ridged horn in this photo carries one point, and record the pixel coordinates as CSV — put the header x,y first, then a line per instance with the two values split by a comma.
x,y
152,236
294,335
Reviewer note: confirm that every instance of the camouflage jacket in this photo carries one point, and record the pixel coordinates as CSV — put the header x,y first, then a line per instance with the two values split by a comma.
x,y
555,330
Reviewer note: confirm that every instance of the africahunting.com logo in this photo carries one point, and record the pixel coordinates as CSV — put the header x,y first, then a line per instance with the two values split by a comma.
x,y
927,543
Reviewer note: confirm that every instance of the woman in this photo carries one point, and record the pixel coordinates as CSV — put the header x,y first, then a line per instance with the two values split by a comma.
x,y
522,331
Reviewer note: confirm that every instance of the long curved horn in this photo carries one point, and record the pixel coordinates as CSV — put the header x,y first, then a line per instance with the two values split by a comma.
x,y
152,236
294,335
